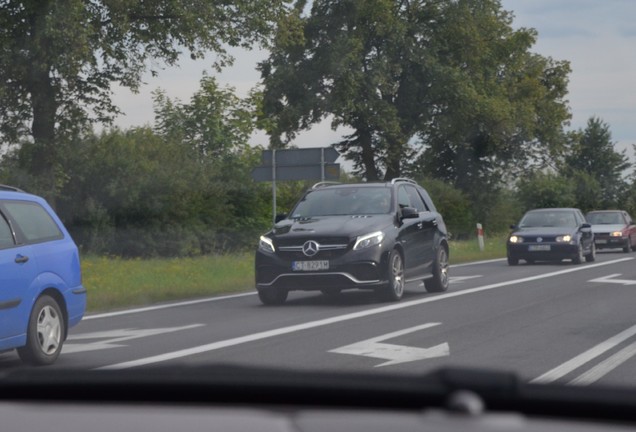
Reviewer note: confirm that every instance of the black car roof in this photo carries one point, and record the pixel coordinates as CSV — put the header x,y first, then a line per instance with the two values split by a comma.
x,y
331,185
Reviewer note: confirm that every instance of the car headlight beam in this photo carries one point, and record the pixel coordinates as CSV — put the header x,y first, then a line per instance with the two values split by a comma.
x,y
564,238
368,240
516,239
266,244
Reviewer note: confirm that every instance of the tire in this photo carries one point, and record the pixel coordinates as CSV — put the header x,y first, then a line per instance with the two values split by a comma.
x,y
394,290
439,281
272,296
578,258
513,261
591,257
628,247
45,333
331,292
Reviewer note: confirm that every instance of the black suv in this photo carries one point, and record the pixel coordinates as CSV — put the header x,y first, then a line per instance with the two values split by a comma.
x,y
365,235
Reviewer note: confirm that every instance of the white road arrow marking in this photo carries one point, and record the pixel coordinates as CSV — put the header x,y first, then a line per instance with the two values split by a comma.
x,y
460,279
610,279
395,354
114,337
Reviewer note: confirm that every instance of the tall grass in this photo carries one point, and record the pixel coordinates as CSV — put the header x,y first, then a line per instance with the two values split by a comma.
x,y
114,283
468,250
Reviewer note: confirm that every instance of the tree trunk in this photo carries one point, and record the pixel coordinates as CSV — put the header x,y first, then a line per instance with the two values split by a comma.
x,y
368,156
40,85
393,157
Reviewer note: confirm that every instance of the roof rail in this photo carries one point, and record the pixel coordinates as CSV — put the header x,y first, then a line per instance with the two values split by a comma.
x,y
403,179
324,183
10,188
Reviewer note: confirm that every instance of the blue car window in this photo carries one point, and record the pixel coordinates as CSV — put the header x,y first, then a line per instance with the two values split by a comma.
x,y
6,236
34,222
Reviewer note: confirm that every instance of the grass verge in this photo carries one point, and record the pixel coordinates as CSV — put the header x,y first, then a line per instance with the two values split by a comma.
x,y
115,283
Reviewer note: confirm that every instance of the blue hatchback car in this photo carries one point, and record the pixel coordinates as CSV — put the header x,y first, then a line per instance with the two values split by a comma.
x,y
41,292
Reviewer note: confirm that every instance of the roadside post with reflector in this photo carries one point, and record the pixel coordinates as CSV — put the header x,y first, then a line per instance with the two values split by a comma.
x,y
480,237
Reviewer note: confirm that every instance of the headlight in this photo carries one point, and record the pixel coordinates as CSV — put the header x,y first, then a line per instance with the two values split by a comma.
x,y
617,234
368,240
515,239
564,238
266,244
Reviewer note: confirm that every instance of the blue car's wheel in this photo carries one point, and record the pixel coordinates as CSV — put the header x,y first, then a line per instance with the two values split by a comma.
x,y
45,333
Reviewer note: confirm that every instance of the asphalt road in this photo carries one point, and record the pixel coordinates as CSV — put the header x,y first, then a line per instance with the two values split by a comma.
x,y
559,323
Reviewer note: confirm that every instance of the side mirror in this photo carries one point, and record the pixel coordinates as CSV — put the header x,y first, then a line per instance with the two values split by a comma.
x,y
410,213
514,227
279,217
586,228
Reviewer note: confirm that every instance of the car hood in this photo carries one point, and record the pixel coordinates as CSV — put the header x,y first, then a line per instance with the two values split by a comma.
x,y
606,228
340,226
545,231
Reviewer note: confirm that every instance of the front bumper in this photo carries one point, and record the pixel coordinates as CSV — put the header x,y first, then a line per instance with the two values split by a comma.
x,y
363,269
609,242
547,252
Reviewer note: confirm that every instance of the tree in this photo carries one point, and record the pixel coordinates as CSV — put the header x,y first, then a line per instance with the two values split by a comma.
x,y
215,123
503,108
540,189
591,151
59,58
449,76
357,61
216,126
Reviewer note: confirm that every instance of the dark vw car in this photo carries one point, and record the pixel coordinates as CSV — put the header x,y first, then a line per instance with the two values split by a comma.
x,y
340,236
551,234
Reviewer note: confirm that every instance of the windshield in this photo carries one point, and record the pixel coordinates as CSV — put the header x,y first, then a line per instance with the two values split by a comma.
x,y
548,219
605,218
169,171
344,201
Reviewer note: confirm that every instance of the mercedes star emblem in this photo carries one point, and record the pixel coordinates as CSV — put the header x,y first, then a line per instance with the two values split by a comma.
x,y
310,248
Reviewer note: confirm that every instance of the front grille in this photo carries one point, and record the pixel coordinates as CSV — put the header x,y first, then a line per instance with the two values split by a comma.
x,y
300,241
328,248
533,239
299,255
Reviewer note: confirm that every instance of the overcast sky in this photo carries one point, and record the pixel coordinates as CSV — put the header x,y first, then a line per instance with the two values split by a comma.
x,y
597,37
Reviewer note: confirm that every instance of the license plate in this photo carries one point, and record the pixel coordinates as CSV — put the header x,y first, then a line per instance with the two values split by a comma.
x,y
310,265
538,248
601,241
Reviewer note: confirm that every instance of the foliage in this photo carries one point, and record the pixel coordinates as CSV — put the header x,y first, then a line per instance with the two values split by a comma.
x,y
454,206
58,59
446,90
364,62
594,164
214,124
506,209
176,190
541,189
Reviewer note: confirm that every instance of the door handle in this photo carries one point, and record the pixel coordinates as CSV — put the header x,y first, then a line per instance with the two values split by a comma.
x,y
21,259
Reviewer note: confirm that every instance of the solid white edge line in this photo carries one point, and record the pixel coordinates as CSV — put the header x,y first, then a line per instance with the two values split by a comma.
x,y
477,262
606,366
165,306
578,361
323,322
